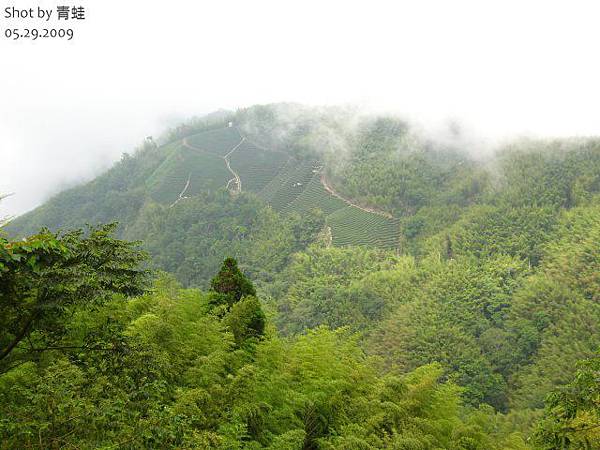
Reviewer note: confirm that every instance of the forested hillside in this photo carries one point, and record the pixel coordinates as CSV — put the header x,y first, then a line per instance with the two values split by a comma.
x,y
411,293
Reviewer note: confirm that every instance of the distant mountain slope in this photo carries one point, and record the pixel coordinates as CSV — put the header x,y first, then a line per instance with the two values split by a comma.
x,y
351,180
199,163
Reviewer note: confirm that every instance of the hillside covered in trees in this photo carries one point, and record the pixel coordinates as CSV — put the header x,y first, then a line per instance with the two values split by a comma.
x,y
393,291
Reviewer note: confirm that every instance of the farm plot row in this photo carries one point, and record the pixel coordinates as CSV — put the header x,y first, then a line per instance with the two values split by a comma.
x,y
255,166
314,196
353,226
205,171
220,142
289,183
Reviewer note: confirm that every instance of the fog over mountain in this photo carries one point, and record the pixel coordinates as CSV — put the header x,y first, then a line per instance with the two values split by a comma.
x,y
68,110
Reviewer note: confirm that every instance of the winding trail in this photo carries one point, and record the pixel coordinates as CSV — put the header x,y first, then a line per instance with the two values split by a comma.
x,y
330,189
181,194
236,178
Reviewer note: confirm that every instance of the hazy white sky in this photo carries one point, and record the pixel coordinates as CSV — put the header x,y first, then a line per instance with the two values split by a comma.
x,y
69,109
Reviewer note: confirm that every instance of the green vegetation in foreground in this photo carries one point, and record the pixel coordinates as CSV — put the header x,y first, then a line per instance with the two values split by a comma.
x,y
177,368
180,368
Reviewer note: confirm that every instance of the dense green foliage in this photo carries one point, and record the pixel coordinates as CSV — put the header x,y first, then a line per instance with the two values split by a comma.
x,y
455,316
400,172
504,330
572,418
45,277
191,238
170,375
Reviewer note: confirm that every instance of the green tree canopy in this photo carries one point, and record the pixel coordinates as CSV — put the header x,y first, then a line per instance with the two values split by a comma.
x,y
44,277
230,284
572,419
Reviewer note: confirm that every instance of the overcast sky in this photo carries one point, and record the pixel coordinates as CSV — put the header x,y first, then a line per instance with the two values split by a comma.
x,y
69,109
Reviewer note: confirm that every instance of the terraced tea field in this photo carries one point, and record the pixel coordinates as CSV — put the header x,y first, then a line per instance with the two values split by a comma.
x,y
289,183
219,142
205,171
353,226
221,158
298,188
256,166
315,196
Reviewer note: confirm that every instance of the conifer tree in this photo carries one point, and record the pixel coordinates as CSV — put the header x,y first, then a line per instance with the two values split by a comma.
x,y
230,284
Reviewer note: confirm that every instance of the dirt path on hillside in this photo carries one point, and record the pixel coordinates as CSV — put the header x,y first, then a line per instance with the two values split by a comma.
x,y
182,193
236,177
329,188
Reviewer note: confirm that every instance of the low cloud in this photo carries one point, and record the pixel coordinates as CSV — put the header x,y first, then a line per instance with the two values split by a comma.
x,y
69,109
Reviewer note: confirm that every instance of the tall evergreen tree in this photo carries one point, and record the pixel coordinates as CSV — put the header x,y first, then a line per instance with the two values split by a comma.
x,y
230,284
